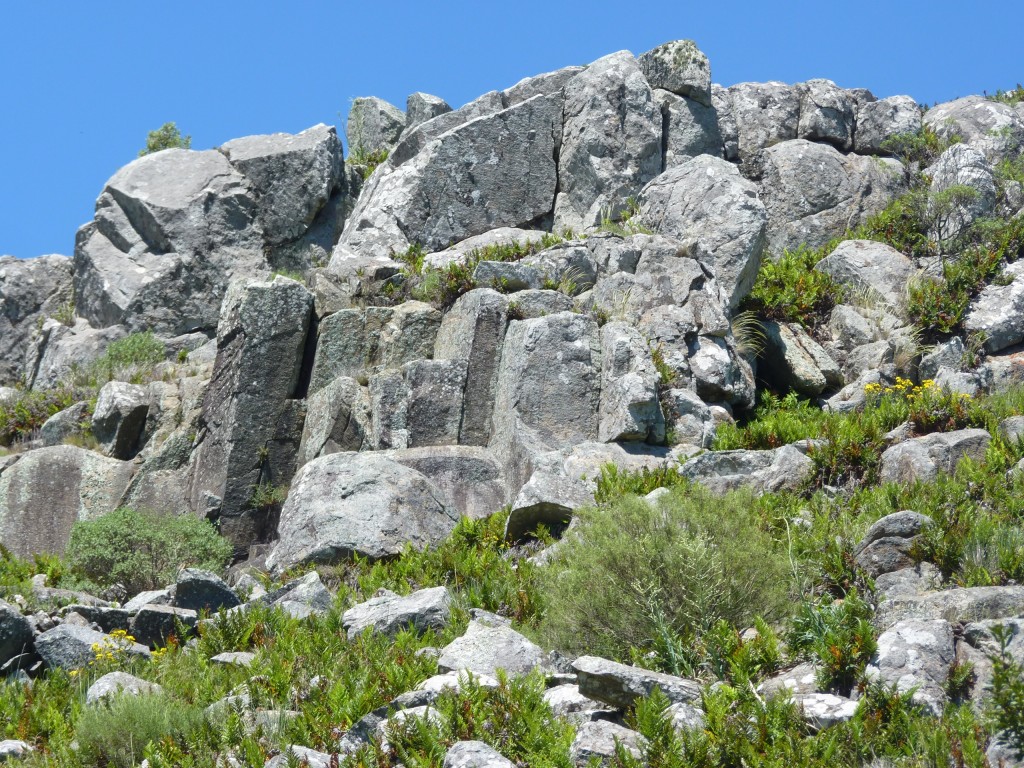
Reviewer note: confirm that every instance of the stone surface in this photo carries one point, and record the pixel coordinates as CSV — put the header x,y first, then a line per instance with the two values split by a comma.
x,y
251,420
706,200
879,121
822,710
998,311
63,424
115,684
14,749
45,491
390,613
953,605
762,471
474,754
346,504
679,67
69,647
795,361
305,757
923,458
813,193
691,128
373,125
688,419
568,703
59,349
471,478
610,143
629,407
484,649
889,542
199,590
827,113
15,632
963,189
916,654
620,685
764,114
153,625
498,170
31,290
337,419
596,743
875,269
420,107
119,418
994,128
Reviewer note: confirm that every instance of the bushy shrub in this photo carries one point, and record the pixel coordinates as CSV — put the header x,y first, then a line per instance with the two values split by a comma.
x,y
789,289
28,410
129,359
143,550
638,579
1006,710
167,136
117,733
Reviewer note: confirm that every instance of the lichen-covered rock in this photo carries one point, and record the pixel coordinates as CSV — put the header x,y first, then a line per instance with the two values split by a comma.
x,y
963,189
389,613
991,126
31,290
879,121
953,605
59,349
762,471
598,742
796,361
115,684
610,143
363,504
888,544
15,632
706,200
420,107
474,754
337,419
471,478
679,67
621,685
119,418
827,113
923,458
486,648
199,590
691,128
68,647
917,655
764,114
998,311
373,126
873,268
629,387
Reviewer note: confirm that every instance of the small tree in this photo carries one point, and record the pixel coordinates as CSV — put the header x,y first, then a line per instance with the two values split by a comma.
x,y
167,136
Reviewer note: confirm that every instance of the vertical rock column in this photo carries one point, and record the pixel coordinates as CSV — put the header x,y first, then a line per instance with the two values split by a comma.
x,y
252,416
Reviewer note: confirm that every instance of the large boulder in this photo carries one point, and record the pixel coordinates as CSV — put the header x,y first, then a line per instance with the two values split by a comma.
x,y
872,268
610,144
31,290
251,418
363,504
679,67
953,605
373,126
888,545
916,655
763,113
488,646
691,128
15,633
963,190
119,418
793,360
995,128
599,743
814,193
45,491
784,468
337,419
827,113
706,200
621,685
879,121
68,646
420,107
418,405
389,613
498,170
59,349
923,458
474,754
629,387
471,478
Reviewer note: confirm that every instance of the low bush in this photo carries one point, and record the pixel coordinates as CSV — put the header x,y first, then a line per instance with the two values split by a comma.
x,y
789,289
22,415
650,582
143,550
131,359
167,136
839,636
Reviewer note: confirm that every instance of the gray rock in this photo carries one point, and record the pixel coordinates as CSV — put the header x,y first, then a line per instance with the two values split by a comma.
x,y
813,193
794,360
977,647
916,655
119,417
485,649
105,617
70,483
994,128
603,162
234,658
916,580
149,597
153,625
251,420
964,172
337,419
692,128
764,113
762,471
721,101
888,544
879,121
58,350
455,681
304,755
597,743
567,703
688,420
506,276
292,177
706,200
31,290
115,684
471,478
620,685
1012,429
495,171
827,113
171,229
875,269
822,710
680,67
998,311
15,632
801,679
389,613
346,504
474,754
303,597
953,605
416,138
685,717
14,749
359,342
200,590
69,647
64,424
923,458
373,125
948,355
629,407
420,107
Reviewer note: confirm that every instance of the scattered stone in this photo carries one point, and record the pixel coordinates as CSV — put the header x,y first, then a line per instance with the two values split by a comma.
x,y
390,613
763,471
115,684
991,126
923,458
15,632
917,655
304,755
822,710
234,658
63,424
952,605
485,649
620,685
888,544
14,749
568,703
154,624
200,590
474,754
597,743
69,647
794,360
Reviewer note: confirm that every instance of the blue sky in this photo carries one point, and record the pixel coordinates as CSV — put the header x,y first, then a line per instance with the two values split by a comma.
x,y
83,82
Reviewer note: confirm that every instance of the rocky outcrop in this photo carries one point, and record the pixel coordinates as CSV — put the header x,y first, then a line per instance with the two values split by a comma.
x,y
878,122
923,458
31,291
995,128
389,613
874,269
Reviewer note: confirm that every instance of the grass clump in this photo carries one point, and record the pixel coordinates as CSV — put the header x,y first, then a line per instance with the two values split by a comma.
x,y
650,583
129,359
143,550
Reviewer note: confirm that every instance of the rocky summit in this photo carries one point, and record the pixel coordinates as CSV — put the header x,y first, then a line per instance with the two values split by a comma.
x,y
613,284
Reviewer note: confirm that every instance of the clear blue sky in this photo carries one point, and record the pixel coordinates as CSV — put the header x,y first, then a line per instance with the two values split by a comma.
x,y
83,82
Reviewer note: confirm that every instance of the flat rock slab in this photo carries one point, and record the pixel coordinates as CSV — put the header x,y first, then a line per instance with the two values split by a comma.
x,y
620,685
70,647
117,684
953,605
388,614
484,649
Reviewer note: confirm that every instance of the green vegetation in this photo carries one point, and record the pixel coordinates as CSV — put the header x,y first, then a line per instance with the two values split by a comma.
x,y
143,550
167,136
791,290
365,162
1012,97
28,410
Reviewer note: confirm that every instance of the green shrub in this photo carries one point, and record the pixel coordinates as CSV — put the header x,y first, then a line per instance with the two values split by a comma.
x,y
28,410
636,579
129,359
118,733
167,136
143,550
840,637
789,289
1006,709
